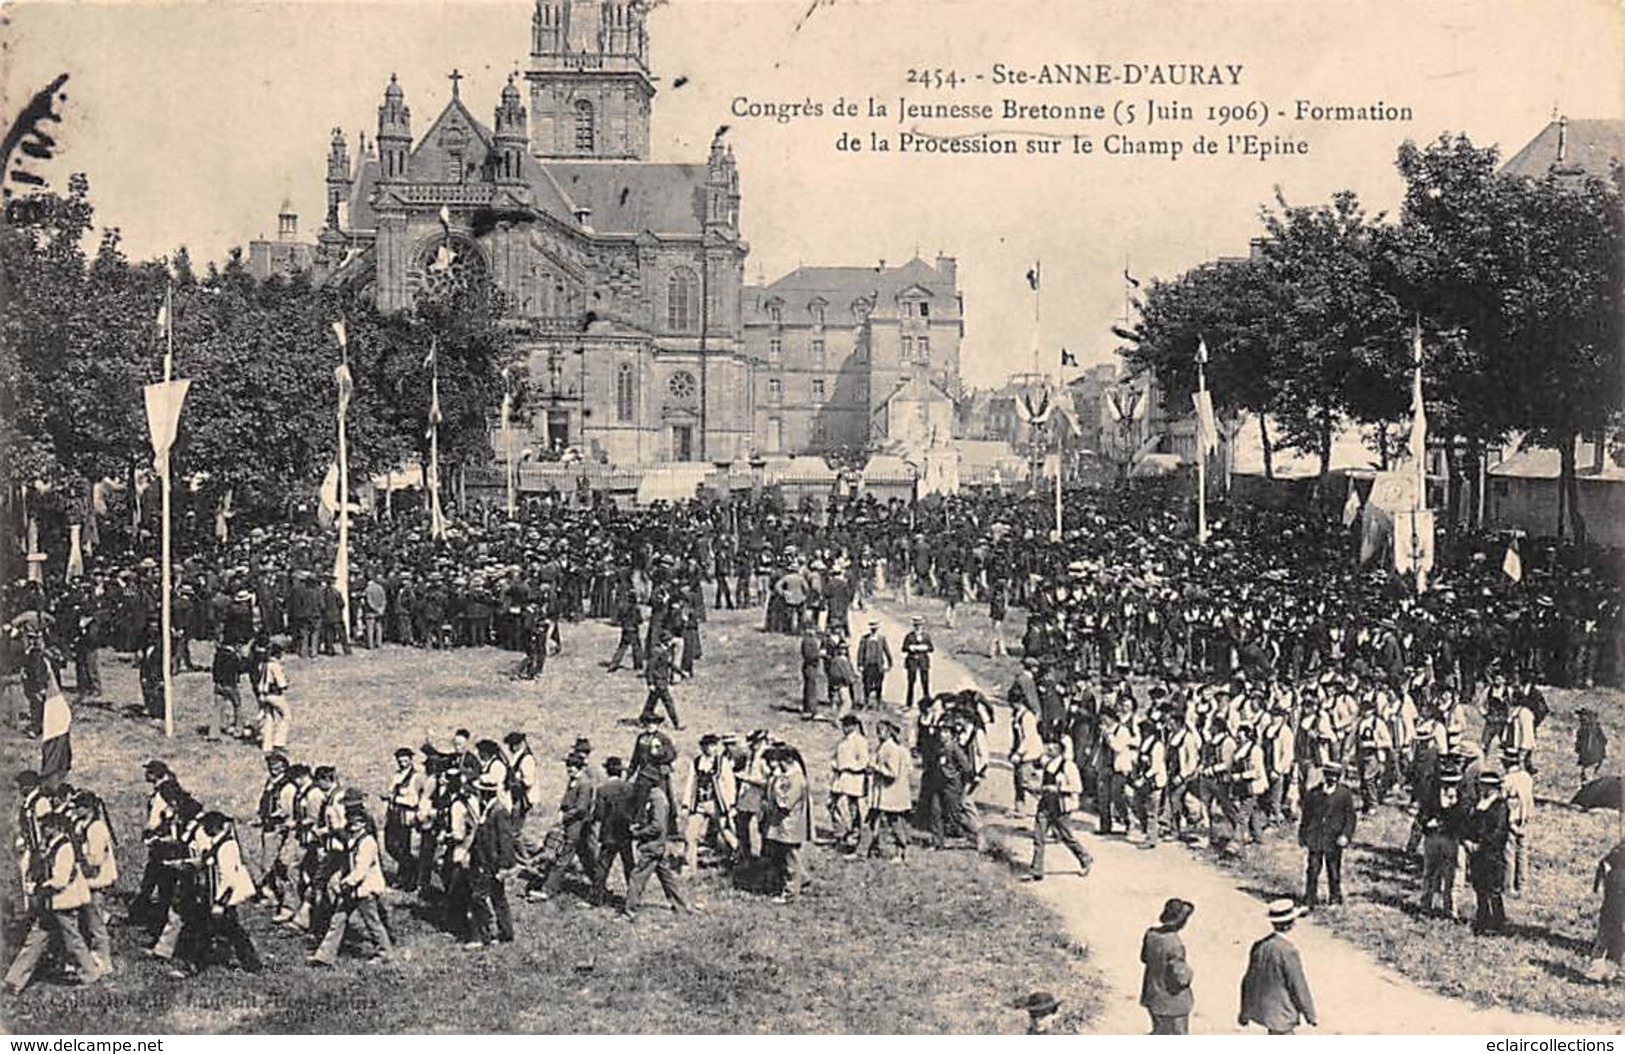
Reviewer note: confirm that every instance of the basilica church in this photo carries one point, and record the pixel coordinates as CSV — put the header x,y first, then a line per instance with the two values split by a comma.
x,y
624,277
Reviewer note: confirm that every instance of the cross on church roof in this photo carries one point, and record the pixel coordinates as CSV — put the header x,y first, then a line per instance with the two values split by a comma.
x,y
455,76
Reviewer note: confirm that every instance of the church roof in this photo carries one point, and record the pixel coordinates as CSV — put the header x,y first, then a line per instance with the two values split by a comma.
x,y
360,203
1590,146
841,287
455,130
630,197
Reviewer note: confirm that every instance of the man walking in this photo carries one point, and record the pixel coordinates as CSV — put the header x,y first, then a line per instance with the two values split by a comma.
x,y
1274,992
1058,790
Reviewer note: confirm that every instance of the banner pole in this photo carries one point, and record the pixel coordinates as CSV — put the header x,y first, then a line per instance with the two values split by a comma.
x,y
164,570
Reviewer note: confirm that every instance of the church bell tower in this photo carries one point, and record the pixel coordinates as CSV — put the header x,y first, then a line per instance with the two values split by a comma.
x,y
590,88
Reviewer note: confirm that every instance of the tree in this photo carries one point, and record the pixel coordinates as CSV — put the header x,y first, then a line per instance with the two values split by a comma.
x,y
1231,305
1519,282
1341,330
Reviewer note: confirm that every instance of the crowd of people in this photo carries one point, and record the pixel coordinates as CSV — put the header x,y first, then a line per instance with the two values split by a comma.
x,y
1207,693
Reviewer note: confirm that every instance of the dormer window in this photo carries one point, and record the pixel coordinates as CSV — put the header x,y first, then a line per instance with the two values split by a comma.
x,y
775,312
816,310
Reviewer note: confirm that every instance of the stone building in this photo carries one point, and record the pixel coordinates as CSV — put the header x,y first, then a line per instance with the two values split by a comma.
x,y
833,345
623,276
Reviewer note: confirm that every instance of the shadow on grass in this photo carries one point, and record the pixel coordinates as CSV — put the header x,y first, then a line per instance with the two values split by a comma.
x,y
1566,972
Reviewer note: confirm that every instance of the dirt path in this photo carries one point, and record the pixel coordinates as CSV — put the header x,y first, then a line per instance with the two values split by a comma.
x,y
1111,909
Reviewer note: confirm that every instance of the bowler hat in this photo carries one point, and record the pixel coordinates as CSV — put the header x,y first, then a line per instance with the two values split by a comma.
x,y
1038,1004
1176,911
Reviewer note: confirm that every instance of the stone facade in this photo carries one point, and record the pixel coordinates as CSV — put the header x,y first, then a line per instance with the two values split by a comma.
x,y
832,344
623,277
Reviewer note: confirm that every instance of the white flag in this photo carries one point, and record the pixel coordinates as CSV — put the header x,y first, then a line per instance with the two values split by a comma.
x,y
346,385
76,554
1419,416
1512,563
344,338
1351,507
1207,429
164,402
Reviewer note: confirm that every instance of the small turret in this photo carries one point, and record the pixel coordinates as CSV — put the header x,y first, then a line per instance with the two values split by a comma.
x,y
394,132
338,177
721,186
511,133
287,222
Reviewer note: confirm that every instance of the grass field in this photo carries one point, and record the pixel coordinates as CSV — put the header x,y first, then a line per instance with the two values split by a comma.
x,y
939,944
1538,967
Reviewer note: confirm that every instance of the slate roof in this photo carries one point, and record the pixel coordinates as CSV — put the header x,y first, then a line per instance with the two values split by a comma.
x,y
630,197
1591,146
840,287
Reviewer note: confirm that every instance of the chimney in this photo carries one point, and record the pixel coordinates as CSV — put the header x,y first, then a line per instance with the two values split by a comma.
x,y
1562,139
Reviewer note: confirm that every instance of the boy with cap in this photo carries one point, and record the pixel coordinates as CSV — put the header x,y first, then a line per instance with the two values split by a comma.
x,y
890,800
1519,789
1274,991
404,800
849,771
1040,1007
358,886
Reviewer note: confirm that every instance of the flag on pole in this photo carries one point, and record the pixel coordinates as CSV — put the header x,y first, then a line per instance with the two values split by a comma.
x,y
445,219
343,337
1067,408
1201,351
76,555
163,315
1419,419
346,385
164,401
1207,428
56,739
328,506
1512,563
1032,277
1351,507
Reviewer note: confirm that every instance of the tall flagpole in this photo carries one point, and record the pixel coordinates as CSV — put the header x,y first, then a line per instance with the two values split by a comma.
x,y
1201,445
164,572
507,441
341,564
1418,451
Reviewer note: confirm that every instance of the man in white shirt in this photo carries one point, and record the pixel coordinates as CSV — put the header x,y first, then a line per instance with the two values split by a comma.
x,y
1519,788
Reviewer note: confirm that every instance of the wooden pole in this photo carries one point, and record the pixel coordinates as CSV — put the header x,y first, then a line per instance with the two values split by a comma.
x,y
164,585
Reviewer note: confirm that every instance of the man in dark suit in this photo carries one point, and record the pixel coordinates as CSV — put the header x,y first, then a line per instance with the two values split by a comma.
x,y
1165,987
1488,828
1329,816
576,811
874,661
1274,992
917,649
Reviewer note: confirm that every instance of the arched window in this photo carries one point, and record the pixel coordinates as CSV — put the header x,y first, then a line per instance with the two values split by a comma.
x,y
584,127
625,392
682,300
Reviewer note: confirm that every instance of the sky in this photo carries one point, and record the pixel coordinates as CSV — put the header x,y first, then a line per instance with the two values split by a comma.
x,y
194,121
